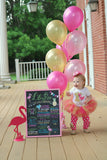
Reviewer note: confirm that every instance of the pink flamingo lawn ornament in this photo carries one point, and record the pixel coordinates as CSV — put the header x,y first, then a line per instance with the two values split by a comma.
x,y
18,121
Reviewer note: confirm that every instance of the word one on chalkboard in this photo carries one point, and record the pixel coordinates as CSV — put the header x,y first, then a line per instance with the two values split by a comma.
x,y
43,113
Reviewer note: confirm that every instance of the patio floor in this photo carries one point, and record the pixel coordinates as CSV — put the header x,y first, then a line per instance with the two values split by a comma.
x,y
82,146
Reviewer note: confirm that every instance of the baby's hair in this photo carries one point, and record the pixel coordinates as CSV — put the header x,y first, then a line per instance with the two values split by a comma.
x,y
81,76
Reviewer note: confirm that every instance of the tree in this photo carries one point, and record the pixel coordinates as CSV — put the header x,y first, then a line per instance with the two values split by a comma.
x,y
27,38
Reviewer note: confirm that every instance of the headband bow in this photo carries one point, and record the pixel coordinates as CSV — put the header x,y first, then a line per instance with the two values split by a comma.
x,y
76,73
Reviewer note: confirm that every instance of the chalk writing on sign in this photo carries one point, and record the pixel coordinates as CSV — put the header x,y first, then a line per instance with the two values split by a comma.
x,y
43,113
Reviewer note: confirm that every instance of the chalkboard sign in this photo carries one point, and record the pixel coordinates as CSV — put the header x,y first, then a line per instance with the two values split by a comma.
x,y
43,113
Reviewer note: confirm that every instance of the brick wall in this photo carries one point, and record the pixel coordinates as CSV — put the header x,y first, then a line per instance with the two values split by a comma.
x,y
99,39
99,46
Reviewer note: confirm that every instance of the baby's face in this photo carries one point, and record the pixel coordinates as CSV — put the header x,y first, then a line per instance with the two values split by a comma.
x,y
78,82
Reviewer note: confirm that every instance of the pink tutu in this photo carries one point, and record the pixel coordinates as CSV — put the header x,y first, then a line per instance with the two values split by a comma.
x,y
70,107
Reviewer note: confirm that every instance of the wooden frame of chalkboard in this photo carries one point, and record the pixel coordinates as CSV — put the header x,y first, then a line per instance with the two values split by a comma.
x,y
43,113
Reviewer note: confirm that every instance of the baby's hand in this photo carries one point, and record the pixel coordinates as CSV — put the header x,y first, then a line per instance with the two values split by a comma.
x,y
88,99
68,93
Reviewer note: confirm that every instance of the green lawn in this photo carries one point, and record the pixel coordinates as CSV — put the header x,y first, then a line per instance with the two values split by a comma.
x,y
13,76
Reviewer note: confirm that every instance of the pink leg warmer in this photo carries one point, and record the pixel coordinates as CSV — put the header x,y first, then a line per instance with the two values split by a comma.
x,y
74,121
86,122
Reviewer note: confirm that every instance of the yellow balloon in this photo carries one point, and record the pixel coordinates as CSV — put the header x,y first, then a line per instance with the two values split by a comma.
x,y
56,60
56,31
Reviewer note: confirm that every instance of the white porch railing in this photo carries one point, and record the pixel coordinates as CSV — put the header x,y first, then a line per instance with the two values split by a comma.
x,y
31,70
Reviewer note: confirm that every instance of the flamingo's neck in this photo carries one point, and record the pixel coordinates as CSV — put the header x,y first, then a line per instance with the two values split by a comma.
x,y
20,109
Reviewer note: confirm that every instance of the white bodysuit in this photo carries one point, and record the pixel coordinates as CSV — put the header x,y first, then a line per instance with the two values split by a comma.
x,y
79,95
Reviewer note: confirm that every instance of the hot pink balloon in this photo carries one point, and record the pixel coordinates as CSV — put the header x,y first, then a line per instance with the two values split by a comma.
x,y
56,80
72,67
75,42
73,17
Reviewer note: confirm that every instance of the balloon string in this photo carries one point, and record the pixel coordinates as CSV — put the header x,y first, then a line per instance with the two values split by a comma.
x,y
62,96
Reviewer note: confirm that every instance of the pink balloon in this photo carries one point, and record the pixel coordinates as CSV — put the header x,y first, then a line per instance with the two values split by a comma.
x,y
68,54
57,80
64,50
72,67
73,17
75,42
59,47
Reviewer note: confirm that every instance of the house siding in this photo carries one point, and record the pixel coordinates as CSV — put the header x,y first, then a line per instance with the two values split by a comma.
x,y
98,25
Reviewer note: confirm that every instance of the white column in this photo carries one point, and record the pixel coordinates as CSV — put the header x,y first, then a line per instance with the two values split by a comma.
x,y
90,46
84,51
4,66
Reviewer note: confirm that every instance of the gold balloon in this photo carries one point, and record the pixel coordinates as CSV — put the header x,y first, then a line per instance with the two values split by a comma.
x,y
56,60
56,31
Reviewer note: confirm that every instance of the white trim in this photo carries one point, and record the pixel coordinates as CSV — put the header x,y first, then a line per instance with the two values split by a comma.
x,y
84,51
90,47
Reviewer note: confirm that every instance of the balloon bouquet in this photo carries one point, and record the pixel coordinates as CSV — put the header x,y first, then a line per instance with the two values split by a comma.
x,y
67,45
